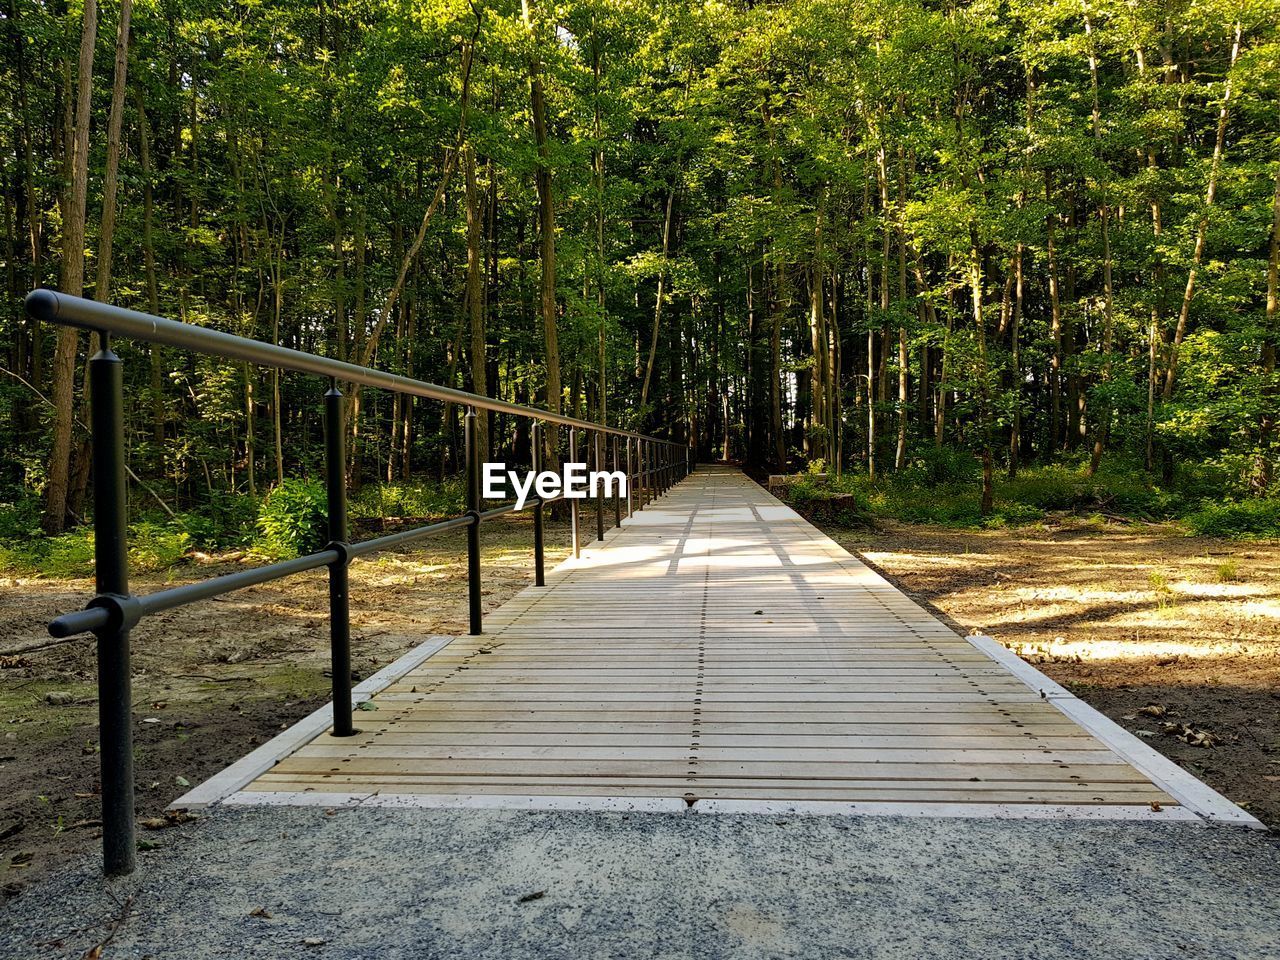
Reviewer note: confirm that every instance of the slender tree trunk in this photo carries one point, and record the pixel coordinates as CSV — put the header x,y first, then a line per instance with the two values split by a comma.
x,y
72,282
546,219
659,297
149,268
475,299
1015,341
1270,388
1202,231
597,170
1103,423
1055,323
110,180
984,400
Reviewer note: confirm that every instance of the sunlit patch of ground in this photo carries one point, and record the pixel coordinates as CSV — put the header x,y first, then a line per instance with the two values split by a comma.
x,y
1129,617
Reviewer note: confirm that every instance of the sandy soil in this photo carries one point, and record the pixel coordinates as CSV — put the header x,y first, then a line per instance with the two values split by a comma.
x,y
1176,638
211,681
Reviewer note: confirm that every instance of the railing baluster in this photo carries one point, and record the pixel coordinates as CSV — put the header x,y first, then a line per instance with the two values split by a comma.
x,y
617,497
598,460
473,531
573,502
335,454
630,477
111,556
539,562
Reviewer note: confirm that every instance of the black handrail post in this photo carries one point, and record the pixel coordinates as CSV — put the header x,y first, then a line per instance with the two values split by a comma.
x,y
111,556
473,531
647,463
539,563
573,501
640,476
617,497
630,477
598,460
335,452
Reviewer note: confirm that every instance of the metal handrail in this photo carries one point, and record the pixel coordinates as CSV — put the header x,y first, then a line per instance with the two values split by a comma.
x,y
654,464
54,307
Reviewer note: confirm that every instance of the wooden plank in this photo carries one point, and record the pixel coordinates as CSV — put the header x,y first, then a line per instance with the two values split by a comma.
x,y
717,647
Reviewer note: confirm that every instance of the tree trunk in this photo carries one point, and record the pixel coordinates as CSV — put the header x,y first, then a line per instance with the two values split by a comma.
x,y
110,180
1015,336
658,299
1270,389
72,282
475,299
1211,191
546,221
1055,323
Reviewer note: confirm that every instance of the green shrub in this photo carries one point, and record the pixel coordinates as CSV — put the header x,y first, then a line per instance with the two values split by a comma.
x,y
929,465
292,519
67,555
20,520
422,500
1248,519
154,546
223,521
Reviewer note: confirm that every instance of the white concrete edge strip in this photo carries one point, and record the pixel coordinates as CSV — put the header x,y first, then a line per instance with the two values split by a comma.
x,y
429,801
1188,790
251,766
712,807
992,811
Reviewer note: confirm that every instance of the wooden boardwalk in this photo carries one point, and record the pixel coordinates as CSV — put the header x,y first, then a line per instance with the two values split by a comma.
x,y
718,649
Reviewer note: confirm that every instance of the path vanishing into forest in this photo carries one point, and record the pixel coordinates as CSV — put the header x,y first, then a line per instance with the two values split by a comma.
x,y
717,734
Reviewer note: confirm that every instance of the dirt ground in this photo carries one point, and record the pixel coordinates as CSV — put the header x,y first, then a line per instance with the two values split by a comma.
x,y
211,680
1176,638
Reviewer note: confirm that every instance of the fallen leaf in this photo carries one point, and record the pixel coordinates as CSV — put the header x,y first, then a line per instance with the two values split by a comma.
x,y
182,781
314,942
530,897
367,705
1153,710
1155,806
1146,733
260,912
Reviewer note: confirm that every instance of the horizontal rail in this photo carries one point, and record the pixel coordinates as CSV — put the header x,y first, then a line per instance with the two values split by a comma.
x,y
94,618
54,307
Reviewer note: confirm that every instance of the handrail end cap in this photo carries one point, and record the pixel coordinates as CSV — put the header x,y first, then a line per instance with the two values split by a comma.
x,y
42,304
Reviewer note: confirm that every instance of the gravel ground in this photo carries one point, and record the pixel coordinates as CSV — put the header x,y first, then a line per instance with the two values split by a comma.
x,y
386,883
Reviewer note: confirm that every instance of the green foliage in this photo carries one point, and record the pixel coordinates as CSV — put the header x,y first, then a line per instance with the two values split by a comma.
x,y
418,500
1247,519
941,490
154,546
222,521
292,519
